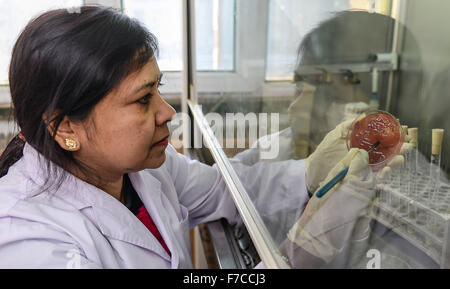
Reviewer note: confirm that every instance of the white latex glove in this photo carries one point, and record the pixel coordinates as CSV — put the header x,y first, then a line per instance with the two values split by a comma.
x,y
327,223
334,148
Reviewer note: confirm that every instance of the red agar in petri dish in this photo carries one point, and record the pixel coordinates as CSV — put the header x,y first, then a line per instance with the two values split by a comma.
x,y
377,126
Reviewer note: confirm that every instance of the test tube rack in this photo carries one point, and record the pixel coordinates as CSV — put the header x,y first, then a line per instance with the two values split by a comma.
x,y
408,214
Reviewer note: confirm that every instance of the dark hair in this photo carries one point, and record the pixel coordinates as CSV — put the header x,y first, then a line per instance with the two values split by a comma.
x,y
63,64
346,37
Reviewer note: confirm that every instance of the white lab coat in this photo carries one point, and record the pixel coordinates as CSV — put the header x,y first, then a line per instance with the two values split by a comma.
x,y
80,226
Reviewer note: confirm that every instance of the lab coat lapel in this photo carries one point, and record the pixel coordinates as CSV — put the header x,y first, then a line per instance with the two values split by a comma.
x,y
149,190
117,222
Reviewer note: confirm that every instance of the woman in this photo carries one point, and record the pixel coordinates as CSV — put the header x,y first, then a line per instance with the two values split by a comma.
x,y
85,92
91,172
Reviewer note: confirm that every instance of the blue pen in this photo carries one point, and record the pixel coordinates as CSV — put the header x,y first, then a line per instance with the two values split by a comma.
x,y
323,190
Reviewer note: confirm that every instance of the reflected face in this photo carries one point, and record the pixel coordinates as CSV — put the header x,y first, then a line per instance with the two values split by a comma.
x,y
338,91
320,106
127,130
342,91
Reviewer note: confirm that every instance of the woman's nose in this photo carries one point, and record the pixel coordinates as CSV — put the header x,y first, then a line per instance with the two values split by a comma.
x,y
165,113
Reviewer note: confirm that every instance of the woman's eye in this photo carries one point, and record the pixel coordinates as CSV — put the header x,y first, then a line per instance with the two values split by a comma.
x,y
145,99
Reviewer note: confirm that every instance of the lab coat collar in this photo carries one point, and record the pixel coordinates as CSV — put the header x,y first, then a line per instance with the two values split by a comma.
x,y
113,218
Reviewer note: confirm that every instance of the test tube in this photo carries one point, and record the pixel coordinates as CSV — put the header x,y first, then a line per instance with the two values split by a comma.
x,y
413,160
404,178
395,179
435,161
435,171
374,104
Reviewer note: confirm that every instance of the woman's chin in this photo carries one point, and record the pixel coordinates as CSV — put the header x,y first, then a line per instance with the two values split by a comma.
x,y
156,159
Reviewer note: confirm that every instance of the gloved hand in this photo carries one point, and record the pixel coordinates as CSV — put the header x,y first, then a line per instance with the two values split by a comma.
x,y
333,148
327,223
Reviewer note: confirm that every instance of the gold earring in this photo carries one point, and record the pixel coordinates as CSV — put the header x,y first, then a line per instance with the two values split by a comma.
x,y
71,144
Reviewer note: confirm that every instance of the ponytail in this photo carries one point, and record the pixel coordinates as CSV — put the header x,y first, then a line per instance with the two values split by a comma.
x,y
12,153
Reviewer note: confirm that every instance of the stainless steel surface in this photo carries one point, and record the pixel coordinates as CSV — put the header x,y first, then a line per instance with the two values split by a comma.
x,y
227,252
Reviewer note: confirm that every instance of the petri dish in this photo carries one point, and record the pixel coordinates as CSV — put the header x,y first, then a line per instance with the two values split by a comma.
x,y
374,126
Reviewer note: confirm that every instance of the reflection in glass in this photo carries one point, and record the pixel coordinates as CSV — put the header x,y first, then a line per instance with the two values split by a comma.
x,y
329,72
290,21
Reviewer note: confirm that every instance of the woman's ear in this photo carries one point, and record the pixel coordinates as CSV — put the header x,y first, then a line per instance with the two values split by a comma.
x,y
65,135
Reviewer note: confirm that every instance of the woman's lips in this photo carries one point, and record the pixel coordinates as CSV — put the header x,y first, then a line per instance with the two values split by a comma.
x,y
163,142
